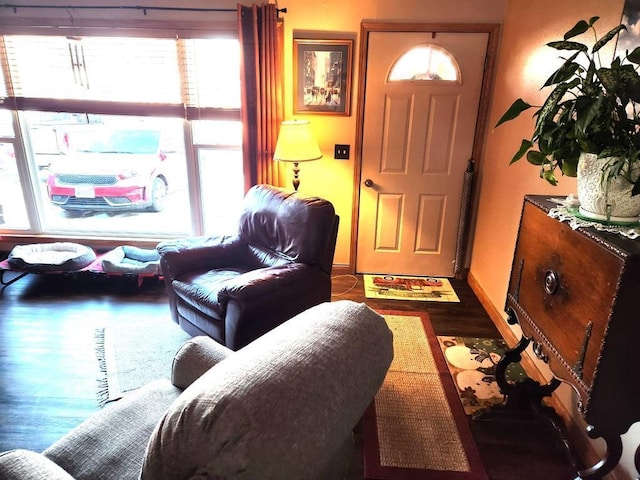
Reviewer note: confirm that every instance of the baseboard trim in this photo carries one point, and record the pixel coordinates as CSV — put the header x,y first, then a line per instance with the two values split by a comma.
x,y
341,270
580,443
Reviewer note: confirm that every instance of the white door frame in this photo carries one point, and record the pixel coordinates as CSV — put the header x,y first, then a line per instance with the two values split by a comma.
x,y
367,27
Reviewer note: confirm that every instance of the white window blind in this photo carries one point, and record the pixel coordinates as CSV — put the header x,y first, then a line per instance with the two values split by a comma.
x,y
213,73
97,68
195,77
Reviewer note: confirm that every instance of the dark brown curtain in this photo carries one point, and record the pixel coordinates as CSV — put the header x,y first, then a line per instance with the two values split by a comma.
x,y
261,39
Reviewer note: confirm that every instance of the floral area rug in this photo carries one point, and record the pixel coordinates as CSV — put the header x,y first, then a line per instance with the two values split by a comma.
x,y
472,363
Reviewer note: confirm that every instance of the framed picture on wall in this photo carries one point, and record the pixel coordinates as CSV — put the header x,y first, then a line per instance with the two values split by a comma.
x,y
322,76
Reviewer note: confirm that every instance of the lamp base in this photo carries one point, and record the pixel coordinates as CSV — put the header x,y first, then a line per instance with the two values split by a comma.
x,y
296,179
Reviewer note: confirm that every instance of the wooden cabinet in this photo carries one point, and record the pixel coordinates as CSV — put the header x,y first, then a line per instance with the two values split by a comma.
x,y
576,295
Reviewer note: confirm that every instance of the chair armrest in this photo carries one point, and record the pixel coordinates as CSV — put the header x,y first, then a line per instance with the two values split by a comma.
x,y
289,278
199,253
194,358
26,465
260,300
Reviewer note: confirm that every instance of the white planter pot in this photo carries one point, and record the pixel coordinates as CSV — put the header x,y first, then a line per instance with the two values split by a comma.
x,y
602,200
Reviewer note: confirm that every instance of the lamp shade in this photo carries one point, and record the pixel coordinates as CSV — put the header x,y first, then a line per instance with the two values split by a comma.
x,y
296,143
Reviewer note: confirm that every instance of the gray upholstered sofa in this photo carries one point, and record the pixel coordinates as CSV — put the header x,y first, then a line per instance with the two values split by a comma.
x,y
283,407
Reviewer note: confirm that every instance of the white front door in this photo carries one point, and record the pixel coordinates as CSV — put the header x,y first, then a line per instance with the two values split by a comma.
x,y
417,140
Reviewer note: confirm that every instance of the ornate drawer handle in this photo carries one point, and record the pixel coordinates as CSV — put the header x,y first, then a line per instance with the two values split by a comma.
x,y
551,282
538,350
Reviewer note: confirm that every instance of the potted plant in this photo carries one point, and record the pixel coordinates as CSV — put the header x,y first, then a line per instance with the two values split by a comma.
x,y
589,124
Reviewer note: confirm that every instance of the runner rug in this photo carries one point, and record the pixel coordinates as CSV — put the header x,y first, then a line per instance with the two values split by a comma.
x,y
401,287
416,427
132,354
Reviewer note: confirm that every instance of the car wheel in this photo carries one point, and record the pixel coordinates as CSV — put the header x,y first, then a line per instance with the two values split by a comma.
x,y
158,195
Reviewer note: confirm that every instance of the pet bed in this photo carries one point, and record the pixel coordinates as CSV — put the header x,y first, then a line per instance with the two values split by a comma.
x,y
128,259
48,257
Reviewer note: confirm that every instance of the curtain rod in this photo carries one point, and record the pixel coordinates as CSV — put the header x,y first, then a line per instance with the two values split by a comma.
x,y
144,9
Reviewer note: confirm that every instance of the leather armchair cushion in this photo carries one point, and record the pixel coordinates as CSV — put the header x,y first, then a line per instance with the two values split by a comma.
x,y
201,290
296,227
200,254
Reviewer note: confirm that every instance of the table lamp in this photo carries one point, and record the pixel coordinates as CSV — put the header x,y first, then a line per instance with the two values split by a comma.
x,y
296,144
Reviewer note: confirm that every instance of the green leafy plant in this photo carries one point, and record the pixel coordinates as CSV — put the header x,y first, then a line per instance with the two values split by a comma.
x,y
591,108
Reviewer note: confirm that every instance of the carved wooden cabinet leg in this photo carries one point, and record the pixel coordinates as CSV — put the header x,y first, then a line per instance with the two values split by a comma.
x,y
611,458
523,395
510,356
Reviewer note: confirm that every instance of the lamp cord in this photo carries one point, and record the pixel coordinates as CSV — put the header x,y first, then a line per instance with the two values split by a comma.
x,y
355,282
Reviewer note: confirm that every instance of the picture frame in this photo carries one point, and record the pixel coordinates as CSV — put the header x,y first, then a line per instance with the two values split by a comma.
x,y
322,71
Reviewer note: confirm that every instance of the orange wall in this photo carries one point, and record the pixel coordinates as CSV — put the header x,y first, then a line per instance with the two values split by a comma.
x,y
331,178
523,65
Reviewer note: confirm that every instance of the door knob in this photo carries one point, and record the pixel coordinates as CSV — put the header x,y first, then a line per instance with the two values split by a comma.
x,y
368,183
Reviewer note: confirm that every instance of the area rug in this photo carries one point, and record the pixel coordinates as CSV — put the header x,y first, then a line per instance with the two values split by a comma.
x,y
401,287
472,363
416,427
132,354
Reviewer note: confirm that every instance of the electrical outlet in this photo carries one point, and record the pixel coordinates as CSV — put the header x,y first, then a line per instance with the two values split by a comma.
x,y
341,152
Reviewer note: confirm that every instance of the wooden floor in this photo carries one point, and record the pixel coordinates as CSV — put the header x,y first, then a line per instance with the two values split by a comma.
x,y
48,368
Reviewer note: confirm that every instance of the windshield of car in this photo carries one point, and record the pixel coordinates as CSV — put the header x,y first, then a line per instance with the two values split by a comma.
x,y
125,141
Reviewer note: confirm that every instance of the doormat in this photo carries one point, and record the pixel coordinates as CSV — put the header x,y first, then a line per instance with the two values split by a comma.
x,y
400,287
416,426
472,363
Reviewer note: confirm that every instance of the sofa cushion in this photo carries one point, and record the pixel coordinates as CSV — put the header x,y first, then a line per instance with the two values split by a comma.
x,y
110,445
282,407
26,465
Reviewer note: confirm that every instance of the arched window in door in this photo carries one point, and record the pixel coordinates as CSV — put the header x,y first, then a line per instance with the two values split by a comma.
x,y
425,62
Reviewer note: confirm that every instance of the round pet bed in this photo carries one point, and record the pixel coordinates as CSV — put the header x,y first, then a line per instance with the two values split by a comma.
x,y
128,259
48,257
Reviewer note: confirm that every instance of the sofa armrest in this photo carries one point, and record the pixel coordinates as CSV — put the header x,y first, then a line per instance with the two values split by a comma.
x,y
26,465
199,253
194,358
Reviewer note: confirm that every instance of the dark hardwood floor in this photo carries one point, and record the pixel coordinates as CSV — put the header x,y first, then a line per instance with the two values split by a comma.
x,y
48,368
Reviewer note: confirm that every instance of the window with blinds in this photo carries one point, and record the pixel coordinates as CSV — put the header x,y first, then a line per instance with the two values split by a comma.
x,y
190,77
70,91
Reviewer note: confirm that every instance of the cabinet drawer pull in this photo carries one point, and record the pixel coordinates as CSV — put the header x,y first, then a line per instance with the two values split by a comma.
x,y
551,282
538,350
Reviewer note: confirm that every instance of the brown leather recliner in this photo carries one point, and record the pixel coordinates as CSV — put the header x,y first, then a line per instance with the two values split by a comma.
x,y
236,288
